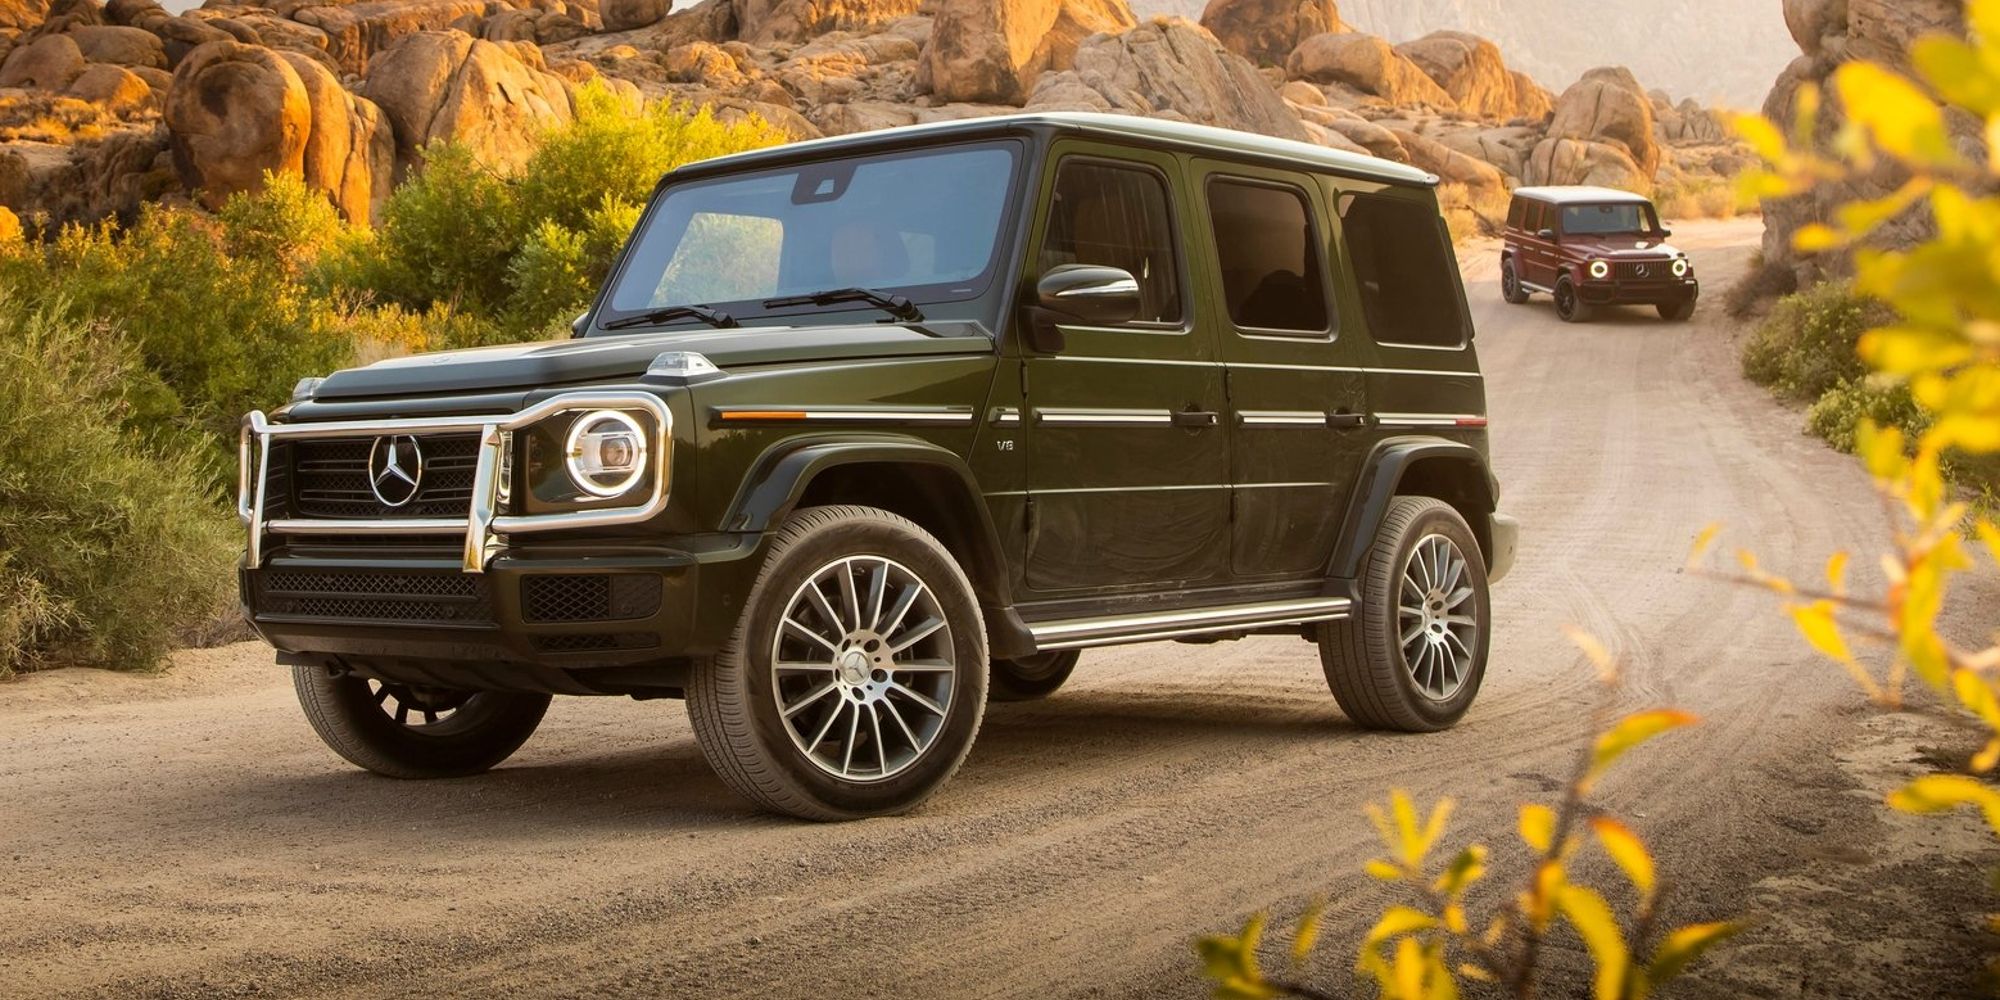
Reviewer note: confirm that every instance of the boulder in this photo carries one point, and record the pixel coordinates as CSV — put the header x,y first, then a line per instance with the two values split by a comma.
x,y
992,51
47,63
1367,64
21,15
1562,161
1812,22
1471,70
357,32
769,22
1507,148
234,112
704,63
1266,31
182,35
449,86
1532,98
624,15
114,88
350,150
1609,107
1883,30
120,45
1378,140
1482,179
1170,68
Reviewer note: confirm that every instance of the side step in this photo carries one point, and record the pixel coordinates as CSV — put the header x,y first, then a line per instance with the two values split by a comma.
x,y
1078,633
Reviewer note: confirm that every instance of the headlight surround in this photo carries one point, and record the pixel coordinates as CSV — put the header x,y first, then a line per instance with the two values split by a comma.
x,y
1600,269
605,453
1682,268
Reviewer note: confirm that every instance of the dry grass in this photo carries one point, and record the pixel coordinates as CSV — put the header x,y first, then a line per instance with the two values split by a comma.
x,y
39,117
1702,197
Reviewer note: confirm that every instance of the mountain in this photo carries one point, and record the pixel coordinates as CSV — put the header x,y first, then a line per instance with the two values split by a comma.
x,y
1719,52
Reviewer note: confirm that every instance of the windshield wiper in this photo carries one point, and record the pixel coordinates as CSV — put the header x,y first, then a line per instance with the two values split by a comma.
x,y
713,317
895,305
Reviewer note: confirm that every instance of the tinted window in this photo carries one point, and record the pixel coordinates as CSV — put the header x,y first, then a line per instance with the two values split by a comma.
x,y
1402,261
924,224
1602,220
1269,254
1535,223
1117,217
1517,214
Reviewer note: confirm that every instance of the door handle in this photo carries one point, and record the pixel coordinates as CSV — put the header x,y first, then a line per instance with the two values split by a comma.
x,y
1196,418
1347,421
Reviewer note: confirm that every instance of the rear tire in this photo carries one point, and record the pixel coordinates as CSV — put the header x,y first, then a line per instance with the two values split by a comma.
x,y
1033,678
1413,656
855,680
1569,306
1510,284
405,731
1677,312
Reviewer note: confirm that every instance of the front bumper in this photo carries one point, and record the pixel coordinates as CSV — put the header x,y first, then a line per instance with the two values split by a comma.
x,y
1617,292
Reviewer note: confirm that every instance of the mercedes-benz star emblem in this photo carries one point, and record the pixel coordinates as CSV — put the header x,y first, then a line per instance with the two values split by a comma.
x,y
395,468
1641,270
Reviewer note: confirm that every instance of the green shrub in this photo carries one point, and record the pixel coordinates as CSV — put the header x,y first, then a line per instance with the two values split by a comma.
x,y
111,546
446,235
1807,345
1836,415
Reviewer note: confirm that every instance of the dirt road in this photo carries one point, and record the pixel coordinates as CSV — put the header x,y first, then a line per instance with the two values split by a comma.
x,y
188,836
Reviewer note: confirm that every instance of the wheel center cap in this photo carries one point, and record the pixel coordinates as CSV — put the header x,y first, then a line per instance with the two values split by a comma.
x,y
854,666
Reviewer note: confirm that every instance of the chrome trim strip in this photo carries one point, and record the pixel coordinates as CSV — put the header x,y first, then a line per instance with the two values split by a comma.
x,y
1006,416
1084,632
1272,366
1104,418
480,525
1531,286
1281,418
946,415
1428,419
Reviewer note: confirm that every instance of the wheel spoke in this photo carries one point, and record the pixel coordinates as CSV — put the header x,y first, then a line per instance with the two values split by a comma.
x,y
848,595
881,751
402,713
853,731
430,717
924,667
897,714
824,607
904,690
904,602
831,718
1415,631
1456,598
917,633
811,697
878,593
802,667
799,629
381,693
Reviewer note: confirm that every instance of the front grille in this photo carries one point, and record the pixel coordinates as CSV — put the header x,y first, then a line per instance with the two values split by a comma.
x,y
329,478
433,598
597,597
1655,270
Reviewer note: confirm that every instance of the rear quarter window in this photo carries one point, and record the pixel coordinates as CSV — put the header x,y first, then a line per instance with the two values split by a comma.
x,y
1403,266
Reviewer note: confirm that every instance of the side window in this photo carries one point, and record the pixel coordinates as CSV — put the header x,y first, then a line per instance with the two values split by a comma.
x,y
1410,288
1268,249
1533,216
1517,214
1117,216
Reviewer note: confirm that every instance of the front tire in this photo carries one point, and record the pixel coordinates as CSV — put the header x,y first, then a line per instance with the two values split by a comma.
x,y
855,681
1033,678
1413,656
1571,306
1677,312
1510,284
409,731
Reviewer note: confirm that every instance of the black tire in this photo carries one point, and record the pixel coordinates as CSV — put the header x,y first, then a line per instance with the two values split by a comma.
x,y
1677,312
1033,678
1510,284
472,731
733,697
1569,305
1364,656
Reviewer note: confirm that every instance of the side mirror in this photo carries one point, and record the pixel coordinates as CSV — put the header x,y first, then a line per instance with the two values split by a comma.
x,y
1547,234
1665,232
1090,294
581,323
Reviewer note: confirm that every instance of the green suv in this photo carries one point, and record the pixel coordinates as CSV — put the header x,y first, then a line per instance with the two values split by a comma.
x,y
864,432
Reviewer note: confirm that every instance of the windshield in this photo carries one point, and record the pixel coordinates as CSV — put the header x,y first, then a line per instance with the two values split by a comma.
x,y
1608,220
921,224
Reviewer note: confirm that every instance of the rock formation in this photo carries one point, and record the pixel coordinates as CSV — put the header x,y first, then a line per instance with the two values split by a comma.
x,y
1266,31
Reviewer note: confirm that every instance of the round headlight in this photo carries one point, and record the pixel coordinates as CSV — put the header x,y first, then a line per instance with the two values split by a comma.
x,y
1682,267
1600,269
605,453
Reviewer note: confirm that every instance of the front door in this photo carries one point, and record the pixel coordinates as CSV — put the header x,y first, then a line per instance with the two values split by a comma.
x,y
1297,396
1128,475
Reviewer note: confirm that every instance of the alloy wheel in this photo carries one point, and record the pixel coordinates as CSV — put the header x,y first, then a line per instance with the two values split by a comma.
x,y
416,707
864,668
1437,616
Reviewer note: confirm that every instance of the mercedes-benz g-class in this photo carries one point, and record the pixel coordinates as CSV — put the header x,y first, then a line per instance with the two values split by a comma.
x,y
1588,247
864,432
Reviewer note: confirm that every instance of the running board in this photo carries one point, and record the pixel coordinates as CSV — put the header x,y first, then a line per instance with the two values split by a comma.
x,y
1079,633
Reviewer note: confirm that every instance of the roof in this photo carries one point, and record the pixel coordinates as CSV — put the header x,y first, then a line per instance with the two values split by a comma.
x,y
1152,131
1581,195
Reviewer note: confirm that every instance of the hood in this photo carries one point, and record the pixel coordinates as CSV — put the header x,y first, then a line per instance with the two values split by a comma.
x,y
1621,247
625,356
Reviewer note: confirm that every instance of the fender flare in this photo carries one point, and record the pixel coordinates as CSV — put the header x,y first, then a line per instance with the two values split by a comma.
x,y
1380,481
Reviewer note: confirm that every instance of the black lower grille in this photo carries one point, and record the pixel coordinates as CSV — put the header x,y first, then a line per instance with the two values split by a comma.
x,y
595,642
592,598
440,598
329,478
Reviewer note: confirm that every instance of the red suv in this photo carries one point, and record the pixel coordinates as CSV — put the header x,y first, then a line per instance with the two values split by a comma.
x,y
1591,247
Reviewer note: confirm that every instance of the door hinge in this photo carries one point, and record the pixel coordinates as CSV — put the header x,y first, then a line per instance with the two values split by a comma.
x,y
1022,367
1228,387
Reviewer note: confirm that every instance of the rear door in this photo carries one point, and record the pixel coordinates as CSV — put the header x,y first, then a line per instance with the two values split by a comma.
x,y
1297,393
1128,476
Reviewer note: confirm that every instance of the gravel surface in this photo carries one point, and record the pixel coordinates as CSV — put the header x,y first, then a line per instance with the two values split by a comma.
x,y
187,836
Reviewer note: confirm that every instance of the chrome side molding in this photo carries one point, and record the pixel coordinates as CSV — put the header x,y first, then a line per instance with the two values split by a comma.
x,y
1080,633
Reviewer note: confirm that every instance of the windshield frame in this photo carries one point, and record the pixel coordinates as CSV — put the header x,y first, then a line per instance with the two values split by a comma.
x,y
1647,214
751,312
